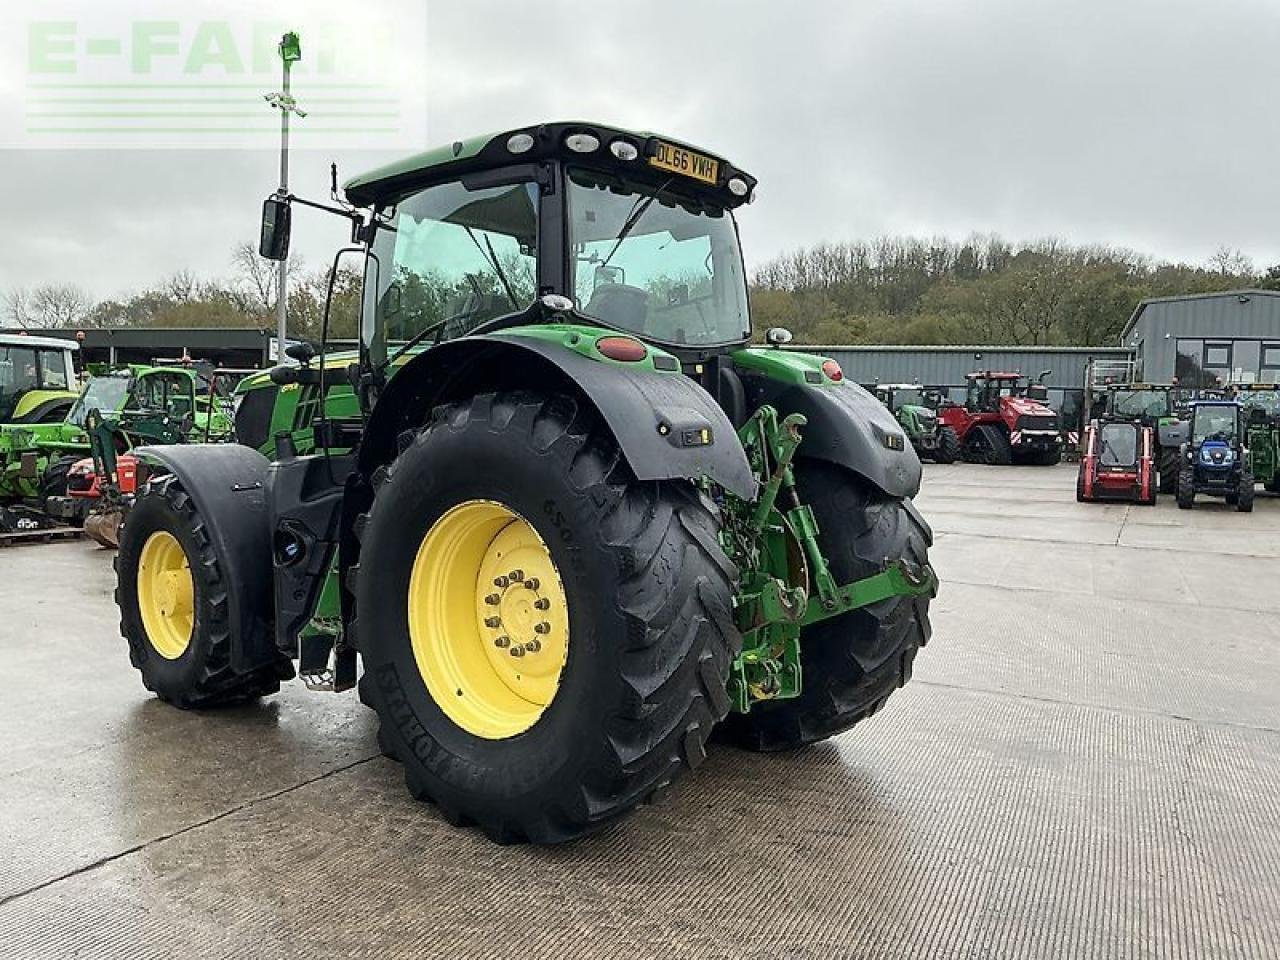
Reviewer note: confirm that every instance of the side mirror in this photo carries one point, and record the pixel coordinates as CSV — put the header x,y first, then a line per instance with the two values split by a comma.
x,y
777,336
302,351
273,242
606,274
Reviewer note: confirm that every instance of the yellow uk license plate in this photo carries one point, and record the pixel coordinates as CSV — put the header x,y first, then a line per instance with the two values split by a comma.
x,y
685,162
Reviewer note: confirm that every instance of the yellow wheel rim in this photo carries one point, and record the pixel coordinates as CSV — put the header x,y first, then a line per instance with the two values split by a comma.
x,y
166,595
488,619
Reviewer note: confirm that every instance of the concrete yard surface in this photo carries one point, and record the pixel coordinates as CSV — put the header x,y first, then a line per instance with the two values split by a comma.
x,y
1086,764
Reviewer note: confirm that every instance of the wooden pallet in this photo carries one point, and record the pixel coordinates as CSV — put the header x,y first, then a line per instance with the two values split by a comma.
x,y
17,538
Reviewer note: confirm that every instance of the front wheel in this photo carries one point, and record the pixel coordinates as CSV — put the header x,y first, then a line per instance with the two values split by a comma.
x,y
172,595
1186,488
1244,492
850,664
546,639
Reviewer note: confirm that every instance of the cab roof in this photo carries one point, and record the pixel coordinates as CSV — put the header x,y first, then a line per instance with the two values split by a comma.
x,y
26,340
488,151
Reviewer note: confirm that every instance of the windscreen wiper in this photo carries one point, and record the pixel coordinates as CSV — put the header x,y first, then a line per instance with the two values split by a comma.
x,y
638,210
492,259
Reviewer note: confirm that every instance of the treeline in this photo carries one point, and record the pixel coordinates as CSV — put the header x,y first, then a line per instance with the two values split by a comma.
x,y
244,297
888,290
982,290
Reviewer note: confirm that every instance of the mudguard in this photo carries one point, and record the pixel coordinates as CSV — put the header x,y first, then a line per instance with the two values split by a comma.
x,y
847,426
666,425
227,483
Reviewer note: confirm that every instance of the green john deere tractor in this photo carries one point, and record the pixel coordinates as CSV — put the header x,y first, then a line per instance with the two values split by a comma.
x,y
916,410
564,517
1260,403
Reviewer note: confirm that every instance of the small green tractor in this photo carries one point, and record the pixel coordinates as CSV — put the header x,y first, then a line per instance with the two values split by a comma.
x,y
916,410
1260,403
121,408
560,512
37,391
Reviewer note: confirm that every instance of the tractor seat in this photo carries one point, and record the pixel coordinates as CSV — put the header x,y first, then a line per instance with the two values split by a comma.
x,y
619,305
1257,415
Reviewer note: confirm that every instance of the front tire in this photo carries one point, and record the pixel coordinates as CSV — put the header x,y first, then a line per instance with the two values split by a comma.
x,y
1244,493
640,657
173,602
1186,488
850,664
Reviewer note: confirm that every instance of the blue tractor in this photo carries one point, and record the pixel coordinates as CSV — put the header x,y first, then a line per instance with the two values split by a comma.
x,y
1215,460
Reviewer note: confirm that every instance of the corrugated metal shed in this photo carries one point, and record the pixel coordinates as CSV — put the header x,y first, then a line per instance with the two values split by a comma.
x,y
1246,318
947,366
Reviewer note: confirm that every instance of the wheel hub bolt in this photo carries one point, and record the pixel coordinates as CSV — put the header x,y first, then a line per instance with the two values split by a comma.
x,y
542,603
515,575
493,599
492,622
543,627
502,642
516,651
532,583
534,645
500,582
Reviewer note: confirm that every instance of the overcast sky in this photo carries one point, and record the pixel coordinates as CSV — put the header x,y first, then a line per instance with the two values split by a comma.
x,y
1151,124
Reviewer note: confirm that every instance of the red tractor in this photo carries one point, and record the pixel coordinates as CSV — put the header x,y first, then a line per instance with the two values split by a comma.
x,y
1119,462
1005,420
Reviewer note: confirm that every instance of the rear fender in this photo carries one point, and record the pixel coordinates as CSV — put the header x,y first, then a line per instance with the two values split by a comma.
x,y
846,426
227,484
666,425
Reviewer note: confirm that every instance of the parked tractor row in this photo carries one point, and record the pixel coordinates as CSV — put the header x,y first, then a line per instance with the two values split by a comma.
x,y
1005,419
59,445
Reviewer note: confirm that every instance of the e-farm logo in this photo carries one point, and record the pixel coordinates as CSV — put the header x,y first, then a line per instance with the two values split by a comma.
x,y
82,77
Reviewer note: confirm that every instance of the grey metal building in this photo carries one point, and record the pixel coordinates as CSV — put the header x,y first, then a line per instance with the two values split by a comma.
x,y
1207,339
936,366
947,366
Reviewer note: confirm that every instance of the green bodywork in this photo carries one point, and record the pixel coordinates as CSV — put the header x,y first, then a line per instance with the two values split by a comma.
x,y
774,540
1262,415
138,403
918,420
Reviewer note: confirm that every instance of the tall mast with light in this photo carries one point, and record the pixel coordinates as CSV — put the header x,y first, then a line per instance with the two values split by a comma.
x,y
290,53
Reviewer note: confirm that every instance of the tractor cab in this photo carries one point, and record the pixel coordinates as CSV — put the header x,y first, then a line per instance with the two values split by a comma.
x,y
1144,402
897,396
985,389
37,378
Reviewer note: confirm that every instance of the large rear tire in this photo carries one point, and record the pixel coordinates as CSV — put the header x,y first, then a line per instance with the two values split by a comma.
x,y
948,450
639,649
173,602
1170,462
852,663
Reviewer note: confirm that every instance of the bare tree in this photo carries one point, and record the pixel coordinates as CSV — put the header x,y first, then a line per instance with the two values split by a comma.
x,y
51,305
1231,263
